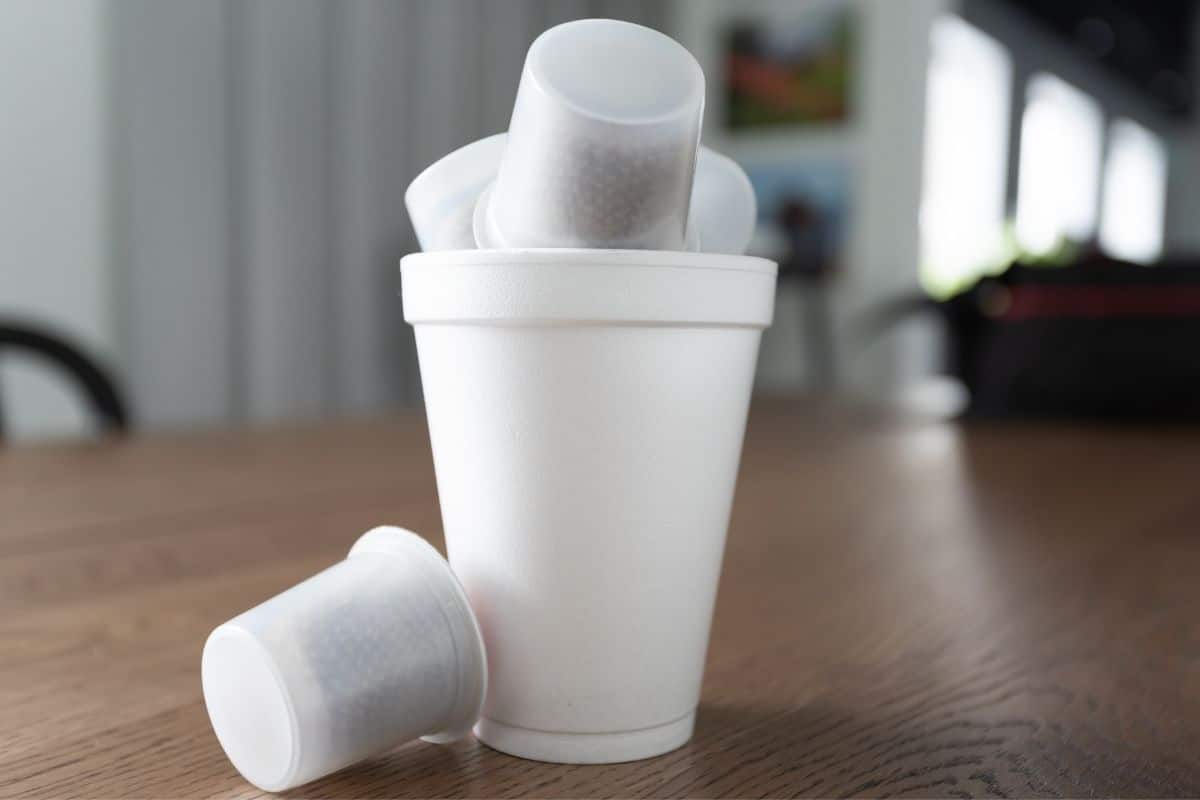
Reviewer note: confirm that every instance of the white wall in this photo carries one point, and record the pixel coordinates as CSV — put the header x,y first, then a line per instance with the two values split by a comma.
x,y
1182,234
210,194
55,259
171,216
243,166
263,153
881,146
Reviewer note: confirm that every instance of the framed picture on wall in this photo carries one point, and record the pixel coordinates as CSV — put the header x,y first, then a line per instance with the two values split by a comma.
x,y
792,72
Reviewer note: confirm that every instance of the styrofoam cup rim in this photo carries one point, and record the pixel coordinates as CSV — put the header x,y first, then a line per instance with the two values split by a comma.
x,y
587,287
592,257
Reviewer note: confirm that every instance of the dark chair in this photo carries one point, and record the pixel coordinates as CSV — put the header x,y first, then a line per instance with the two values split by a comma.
x,y
98,387
1101,339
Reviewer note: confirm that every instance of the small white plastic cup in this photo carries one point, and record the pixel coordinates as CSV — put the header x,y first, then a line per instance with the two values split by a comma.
x,y
602,142
724,210
376,650
441,200
586,410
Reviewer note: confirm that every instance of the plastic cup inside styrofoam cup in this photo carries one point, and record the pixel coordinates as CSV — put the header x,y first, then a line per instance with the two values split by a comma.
x,y
602,143
586,411
374,651
441,200
723,206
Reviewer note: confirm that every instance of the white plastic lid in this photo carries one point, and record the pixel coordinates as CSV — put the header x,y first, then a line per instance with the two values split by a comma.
x,y
374,651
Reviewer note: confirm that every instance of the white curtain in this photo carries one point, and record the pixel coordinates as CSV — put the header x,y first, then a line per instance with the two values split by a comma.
x,y
259,154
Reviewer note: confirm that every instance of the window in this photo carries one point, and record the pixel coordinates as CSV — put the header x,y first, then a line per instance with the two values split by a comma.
x,y
1135,186
1058,183
966,151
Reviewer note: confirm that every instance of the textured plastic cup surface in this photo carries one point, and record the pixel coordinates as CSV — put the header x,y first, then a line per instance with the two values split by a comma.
x,y
442,200
602,142
374,651
586,410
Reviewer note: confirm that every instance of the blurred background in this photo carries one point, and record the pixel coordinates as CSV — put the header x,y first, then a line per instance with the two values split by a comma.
x,y
201,203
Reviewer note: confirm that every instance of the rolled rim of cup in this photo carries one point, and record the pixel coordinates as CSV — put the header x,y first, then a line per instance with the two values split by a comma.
x,y
319,676
388,540
551,288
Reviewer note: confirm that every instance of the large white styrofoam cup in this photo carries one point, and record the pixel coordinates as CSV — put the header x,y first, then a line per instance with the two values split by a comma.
x,y
586,410
602,143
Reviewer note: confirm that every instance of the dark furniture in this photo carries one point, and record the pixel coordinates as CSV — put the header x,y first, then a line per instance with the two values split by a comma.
x,y
1101,339
96,385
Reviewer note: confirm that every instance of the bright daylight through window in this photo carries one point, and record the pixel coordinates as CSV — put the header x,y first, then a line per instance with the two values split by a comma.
x,y
966,150
1059,179
1135,189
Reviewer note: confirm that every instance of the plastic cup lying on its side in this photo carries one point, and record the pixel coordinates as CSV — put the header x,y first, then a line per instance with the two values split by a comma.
x,y
374,651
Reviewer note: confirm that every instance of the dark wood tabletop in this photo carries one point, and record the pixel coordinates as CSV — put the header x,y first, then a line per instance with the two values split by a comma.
x,y
907,608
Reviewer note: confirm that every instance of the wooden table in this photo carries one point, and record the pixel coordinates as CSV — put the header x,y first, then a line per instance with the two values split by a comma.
x,y
906,609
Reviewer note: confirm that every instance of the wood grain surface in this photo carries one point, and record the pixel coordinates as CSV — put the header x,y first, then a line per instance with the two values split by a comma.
x,y
907,608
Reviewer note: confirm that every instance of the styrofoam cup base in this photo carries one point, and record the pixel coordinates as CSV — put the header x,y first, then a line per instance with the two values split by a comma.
x,y
585,748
